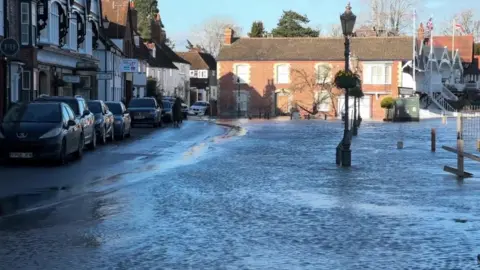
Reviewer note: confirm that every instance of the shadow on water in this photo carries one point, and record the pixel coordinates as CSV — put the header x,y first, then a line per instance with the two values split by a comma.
x,y
20,202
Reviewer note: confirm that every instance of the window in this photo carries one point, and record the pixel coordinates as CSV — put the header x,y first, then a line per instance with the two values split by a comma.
x,y
283,73
72,32
34,23
324,101
26,80
65,116
87,44
242,73
71,113
323,73
25,23
54,22
377,74
85,81
2,33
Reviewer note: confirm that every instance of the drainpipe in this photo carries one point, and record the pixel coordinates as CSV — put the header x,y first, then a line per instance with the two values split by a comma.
x,y
105,97
113,75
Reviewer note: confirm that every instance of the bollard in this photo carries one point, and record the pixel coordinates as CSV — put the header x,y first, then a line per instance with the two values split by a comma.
x,y
444,120
400,145
478,145
433,140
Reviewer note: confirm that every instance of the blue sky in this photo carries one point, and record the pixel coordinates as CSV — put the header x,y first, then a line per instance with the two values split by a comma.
x,y
180,17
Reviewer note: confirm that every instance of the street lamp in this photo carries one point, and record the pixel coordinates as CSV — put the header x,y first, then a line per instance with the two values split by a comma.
x,y
238,98
207,89
356,102
348,22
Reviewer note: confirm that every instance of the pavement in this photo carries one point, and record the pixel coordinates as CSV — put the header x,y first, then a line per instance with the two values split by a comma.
x,y
265,196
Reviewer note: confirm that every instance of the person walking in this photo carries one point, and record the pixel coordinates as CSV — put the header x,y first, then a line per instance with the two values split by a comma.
x,y
177,112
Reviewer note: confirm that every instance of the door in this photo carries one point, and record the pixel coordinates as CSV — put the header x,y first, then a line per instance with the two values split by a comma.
x,y
69,134
364,106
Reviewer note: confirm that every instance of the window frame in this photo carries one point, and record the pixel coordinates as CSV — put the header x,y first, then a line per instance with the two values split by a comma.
x,y
378,74
286,73
317,72
244,79
34,18
27,23
54,23
29,73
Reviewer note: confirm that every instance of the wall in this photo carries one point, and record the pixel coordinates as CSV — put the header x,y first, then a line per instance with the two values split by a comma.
x,y
262,86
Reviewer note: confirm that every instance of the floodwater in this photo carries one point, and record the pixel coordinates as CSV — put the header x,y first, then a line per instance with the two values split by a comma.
x,y
268,196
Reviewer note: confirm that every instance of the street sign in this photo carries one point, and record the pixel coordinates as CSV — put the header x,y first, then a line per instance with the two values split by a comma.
x,y
71,78
9,47
406,91
129,65
104,76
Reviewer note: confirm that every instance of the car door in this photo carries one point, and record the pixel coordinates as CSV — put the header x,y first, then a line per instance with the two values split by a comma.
x,y
77,129
67,130
108,117
88,121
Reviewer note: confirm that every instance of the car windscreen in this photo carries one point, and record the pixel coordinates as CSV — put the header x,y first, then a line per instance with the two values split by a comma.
x,y
201,104
167,105
94,107
35,112
142,102
71,102
115,108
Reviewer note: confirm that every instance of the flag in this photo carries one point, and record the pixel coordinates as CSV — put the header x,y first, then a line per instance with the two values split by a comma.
x,y
414,15
459,27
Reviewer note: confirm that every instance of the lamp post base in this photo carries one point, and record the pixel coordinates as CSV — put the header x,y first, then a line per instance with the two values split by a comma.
x,y
346,157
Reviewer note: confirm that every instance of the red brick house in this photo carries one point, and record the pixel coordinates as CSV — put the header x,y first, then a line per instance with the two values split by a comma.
x,y
276,73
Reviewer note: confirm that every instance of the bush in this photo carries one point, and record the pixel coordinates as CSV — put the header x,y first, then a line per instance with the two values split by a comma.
x,y
151,87
387,103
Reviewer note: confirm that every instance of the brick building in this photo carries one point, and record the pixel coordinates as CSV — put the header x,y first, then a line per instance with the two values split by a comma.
x,y
272,71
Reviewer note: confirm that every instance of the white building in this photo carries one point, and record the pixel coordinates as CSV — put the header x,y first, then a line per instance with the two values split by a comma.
x,y
163,71
66,65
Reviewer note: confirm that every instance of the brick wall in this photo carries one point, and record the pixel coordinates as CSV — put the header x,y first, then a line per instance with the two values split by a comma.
x,y
262,86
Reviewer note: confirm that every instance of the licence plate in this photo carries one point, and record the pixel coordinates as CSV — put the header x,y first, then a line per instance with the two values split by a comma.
x,y
21,155
139,117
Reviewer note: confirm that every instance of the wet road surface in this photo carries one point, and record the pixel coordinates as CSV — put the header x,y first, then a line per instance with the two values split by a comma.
x,y
267,198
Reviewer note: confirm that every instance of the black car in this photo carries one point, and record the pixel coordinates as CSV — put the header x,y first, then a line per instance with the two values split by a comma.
x,y
167,114
145,111
103,120
41,131
122,124
82,114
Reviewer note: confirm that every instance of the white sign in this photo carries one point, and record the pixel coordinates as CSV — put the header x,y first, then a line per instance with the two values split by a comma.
x,y
139,79
129,65
104,76
71,78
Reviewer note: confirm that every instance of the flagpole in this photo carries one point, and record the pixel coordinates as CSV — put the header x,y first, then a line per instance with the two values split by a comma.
x,y
414,51
453,39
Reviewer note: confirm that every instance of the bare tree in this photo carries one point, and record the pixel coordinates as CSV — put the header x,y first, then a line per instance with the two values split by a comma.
x,y
210,34
335,31
316,86
390,17
470,25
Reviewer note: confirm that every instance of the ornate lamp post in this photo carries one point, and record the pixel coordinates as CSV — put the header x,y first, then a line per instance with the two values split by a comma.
x,y
356,101
348,22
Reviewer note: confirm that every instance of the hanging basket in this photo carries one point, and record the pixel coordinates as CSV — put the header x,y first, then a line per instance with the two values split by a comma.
x,y
345,79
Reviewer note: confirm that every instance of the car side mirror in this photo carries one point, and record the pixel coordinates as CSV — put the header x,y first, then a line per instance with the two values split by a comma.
x,y
86,112
71,123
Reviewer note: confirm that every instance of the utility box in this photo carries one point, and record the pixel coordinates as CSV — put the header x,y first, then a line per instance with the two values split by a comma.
x,y
407,109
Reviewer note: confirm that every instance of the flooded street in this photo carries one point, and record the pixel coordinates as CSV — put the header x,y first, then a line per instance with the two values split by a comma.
x,y
266,197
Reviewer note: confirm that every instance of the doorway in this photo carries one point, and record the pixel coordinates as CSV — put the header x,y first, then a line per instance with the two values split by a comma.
x,y
43,83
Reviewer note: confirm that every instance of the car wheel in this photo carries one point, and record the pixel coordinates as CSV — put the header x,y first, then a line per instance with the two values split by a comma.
x,y
103,133
93,143
81,145
62,156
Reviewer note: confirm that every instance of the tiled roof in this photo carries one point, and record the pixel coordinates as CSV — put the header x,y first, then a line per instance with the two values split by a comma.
x,y
199,60
316,49
172,55
162,59
463,43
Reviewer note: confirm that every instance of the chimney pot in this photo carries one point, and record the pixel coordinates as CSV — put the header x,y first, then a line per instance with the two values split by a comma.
x,y
228,36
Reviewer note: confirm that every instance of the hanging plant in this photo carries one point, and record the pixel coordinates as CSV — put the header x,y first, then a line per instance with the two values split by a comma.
x,y
346,79
356,92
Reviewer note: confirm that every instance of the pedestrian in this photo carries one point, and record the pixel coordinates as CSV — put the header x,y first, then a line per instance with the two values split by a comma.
x,y
177,112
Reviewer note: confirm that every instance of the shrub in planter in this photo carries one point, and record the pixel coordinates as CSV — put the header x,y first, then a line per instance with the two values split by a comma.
x,y
388,103
346,79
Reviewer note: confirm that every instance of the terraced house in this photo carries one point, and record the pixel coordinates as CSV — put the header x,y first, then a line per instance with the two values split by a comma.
x,y
273,74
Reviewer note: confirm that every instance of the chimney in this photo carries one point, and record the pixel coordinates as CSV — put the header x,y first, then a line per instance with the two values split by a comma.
x,y
228,36
133,13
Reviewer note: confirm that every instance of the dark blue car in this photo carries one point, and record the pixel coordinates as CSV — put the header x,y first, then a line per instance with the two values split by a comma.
x,y
123,121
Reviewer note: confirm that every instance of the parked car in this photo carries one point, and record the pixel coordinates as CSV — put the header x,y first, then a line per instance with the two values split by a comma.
x,y
167,113
145,111
103,120
122,124
46,130
185,110
82,114
199,108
